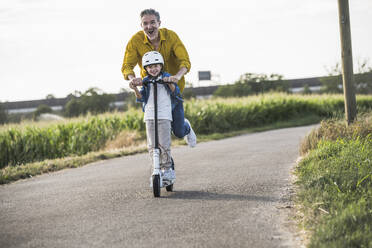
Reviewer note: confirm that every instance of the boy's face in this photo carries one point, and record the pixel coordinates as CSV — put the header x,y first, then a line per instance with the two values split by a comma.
x,y
154,70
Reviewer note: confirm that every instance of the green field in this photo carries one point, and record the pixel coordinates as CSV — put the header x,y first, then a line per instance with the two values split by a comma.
x,y
29,143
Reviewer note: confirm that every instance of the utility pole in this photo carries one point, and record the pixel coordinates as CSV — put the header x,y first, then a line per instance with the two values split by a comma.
x,y
347,61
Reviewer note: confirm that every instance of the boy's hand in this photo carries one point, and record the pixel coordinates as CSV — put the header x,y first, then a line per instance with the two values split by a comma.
x,y
135,82
132,86
171,79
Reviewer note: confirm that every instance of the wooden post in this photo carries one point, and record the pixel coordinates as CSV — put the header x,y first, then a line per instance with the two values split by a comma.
x,y
347,61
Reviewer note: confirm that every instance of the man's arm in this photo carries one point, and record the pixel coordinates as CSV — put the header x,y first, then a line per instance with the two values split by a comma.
x,y
180,51
176,77
129,62
181,73
183,59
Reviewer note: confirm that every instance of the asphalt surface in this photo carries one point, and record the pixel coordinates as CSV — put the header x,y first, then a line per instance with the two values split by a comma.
x,y
228,193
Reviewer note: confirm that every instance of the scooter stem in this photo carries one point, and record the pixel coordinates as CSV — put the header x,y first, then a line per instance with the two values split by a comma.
x,y
156,114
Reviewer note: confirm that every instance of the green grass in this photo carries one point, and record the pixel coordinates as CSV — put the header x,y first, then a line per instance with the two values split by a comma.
x,y
221,114
335,184
30,143
214,118
14,173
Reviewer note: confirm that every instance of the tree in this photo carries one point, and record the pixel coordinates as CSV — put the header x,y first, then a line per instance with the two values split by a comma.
x,y
41,109
262,83
130,100
93,100
333,83
362,80
237,89
251,83
3,114
50,96
307,90
363,83
73,108
188,93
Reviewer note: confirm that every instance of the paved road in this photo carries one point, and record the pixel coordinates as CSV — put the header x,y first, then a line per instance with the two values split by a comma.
x,y
229,193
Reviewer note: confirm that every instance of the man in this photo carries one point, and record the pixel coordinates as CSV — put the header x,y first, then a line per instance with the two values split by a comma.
x,y
176,58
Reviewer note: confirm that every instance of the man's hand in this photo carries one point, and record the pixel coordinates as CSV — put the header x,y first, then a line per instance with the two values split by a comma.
x,y
170,80
173,79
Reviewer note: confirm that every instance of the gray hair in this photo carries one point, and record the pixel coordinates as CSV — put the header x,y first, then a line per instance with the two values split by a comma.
x,y
150,12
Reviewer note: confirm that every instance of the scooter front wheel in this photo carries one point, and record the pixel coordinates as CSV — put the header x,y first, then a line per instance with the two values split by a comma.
x,y
156,185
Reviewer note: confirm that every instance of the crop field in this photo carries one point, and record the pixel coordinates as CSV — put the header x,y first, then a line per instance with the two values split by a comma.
x,y
31,142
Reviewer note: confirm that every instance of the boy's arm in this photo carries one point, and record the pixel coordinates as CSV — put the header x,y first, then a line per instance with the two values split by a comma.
x,y
134,80
172,87
135,89
138,94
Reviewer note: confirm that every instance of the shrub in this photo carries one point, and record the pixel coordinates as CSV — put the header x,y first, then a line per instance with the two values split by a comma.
x,y
90,101
333,129
336,176
221,115
41,109
73,108
3,114
253,84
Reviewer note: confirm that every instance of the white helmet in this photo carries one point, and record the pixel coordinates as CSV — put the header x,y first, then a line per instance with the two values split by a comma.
x,y
151,58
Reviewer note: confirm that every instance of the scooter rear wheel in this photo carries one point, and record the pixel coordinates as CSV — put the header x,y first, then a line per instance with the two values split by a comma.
x,y
156,185
169,188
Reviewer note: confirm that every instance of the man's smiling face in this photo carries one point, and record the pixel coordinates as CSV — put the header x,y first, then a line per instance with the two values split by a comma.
x,y
150,26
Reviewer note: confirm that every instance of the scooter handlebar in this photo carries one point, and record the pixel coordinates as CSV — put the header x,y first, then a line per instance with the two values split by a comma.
x,y
158,80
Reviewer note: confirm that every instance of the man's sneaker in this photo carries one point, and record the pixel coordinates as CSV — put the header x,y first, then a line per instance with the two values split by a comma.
x,y
191,137
169,174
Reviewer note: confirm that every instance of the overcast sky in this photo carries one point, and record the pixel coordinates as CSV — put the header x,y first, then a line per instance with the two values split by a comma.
x,y
59,46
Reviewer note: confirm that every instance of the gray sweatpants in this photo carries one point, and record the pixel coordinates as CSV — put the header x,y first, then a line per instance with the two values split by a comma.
x,y
164,133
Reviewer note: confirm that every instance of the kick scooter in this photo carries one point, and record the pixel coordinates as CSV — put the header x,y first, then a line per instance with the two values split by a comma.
x,y
157,179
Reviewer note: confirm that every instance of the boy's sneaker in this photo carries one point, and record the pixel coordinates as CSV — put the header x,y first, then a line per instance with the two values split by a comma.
x,y
169,174
191,137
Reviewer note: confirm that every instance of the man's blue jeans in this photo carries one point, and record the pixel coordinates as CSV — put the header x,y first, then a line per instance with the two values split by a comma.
x,y
179,126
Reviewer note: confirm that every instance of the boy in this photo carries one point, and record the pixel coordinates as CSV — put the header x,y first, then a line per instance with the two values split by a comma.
x,y
168,96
